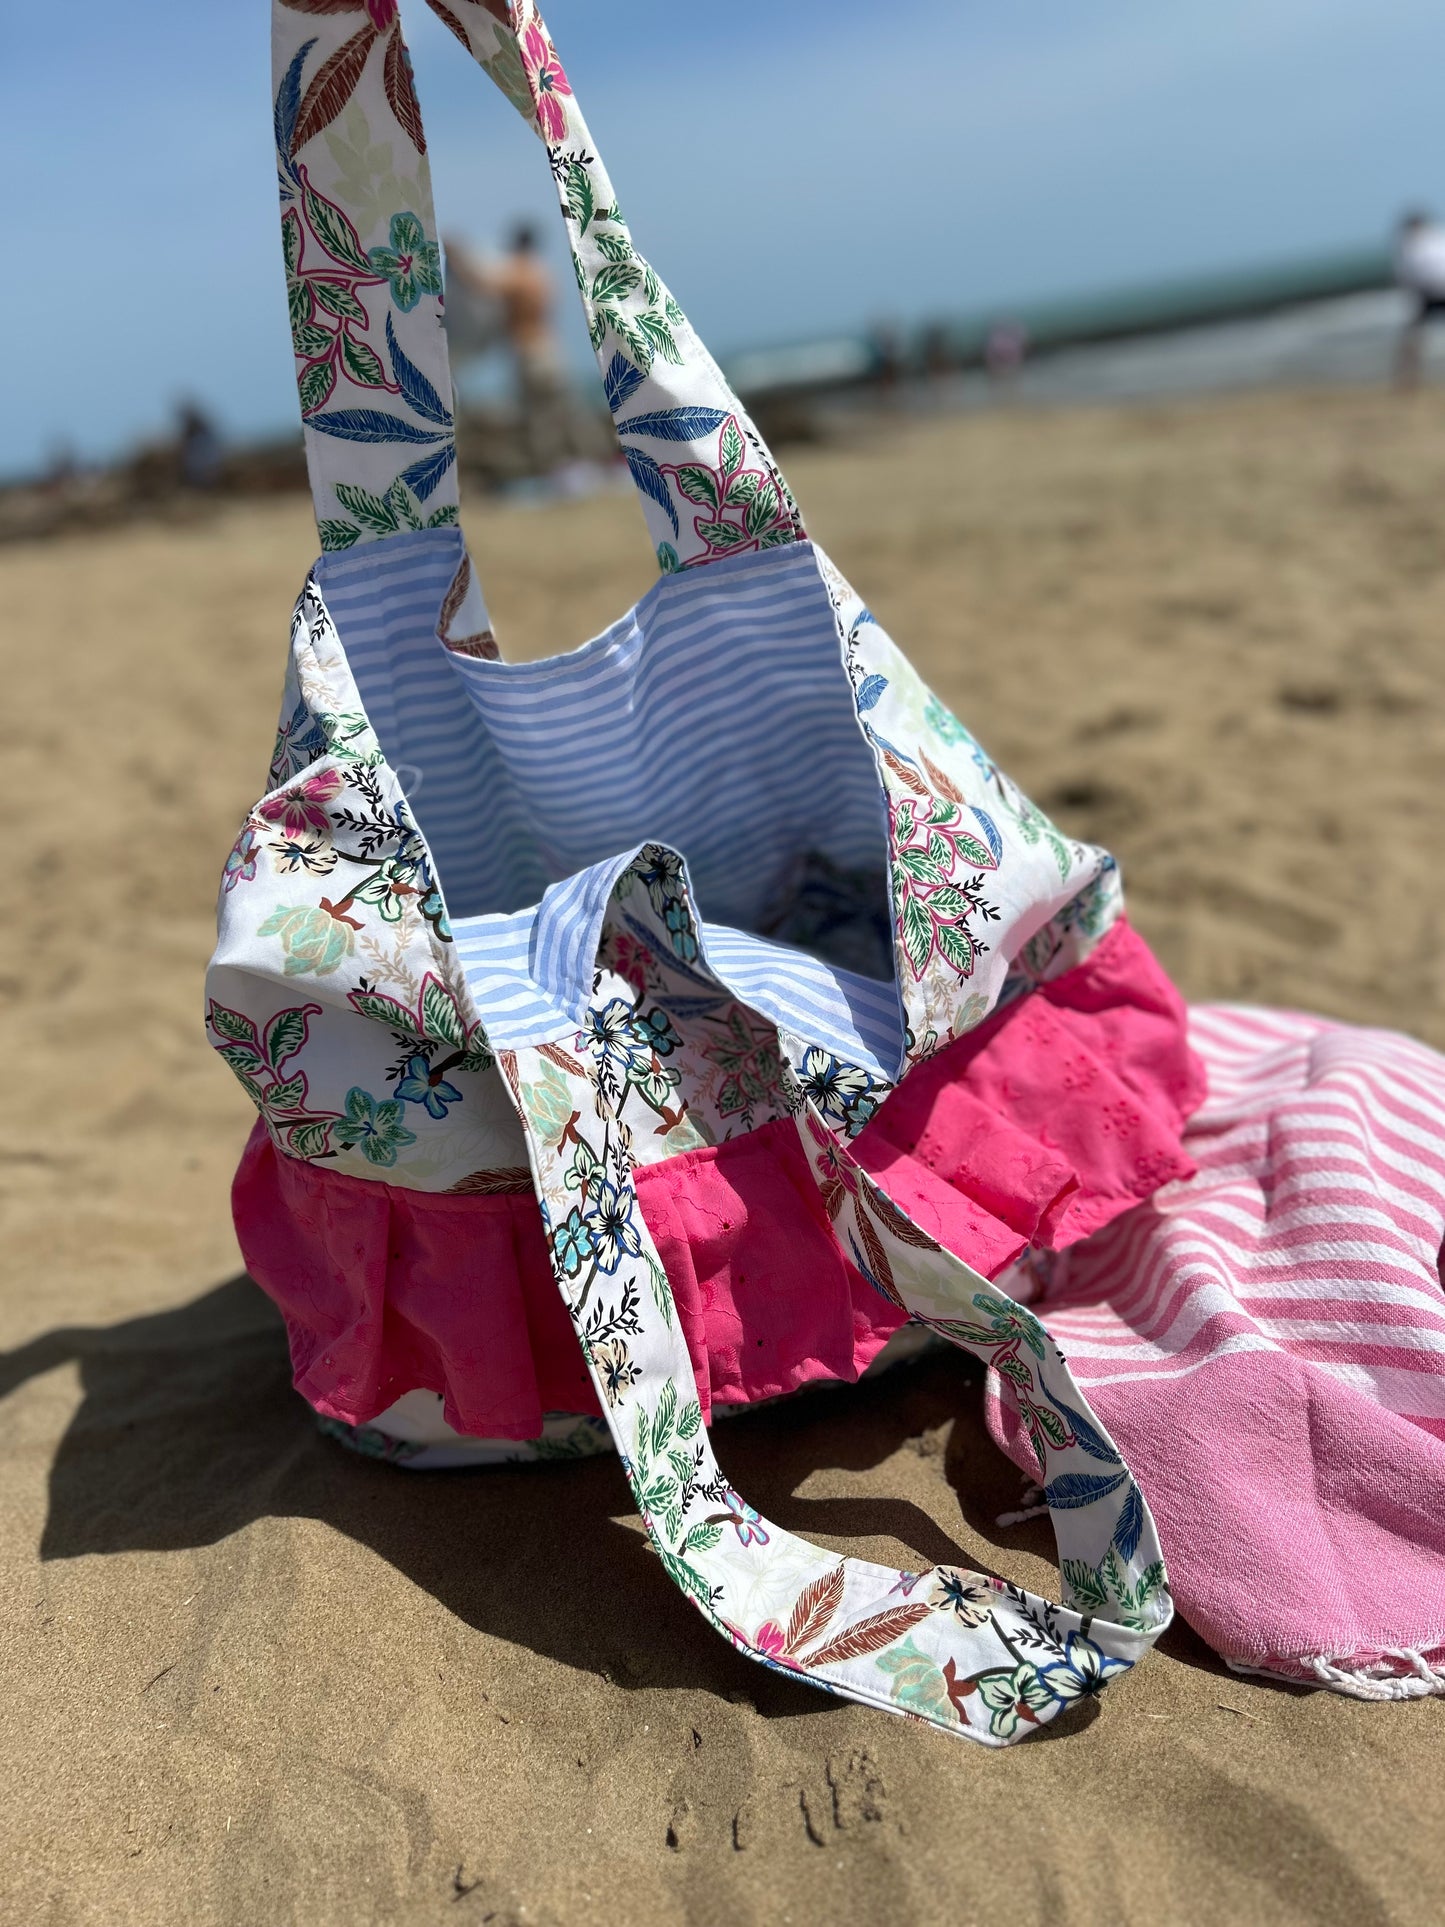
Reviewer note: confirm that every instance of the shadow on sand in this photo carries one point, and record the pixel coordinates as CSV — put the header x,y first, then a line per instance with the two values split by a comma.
x,y
195,1404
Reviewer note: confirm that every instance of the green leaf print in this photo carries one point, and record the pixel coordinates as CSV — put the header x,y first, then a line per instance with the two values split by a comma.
x,y
702,1538
973,851
614,247
762,509
403,507
616,280
368,509
232,1024
363,364
310,339
949,904
286,1096
335,233
440,1017
1085,1587
660,337
689,1420
581,204
663,1417
956,946
314,384
732,448
920,866
697,484
721,535
337,535
285,1034
917,934
636,343
311,1139
337,299
742,488
291,239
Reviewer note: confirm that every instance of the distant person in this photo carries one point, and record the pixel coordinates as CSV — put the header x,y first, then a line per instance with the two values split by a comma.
x,y
1004,352
1420,271
522,288
935,351
198,446
885,355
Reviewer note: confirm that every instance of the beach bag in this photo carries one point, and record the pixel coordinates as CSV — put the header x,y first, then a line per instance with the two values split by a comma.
x,y
669,1024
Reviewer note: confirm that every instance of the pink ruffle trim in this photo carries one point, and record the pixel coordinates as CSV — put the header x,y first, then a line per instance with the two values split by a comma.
x,y
1061,1112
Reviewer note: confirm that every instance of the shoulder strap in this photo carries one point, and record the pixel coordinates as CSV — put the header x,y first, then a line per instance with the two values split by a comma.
x,y
975,1656
364,285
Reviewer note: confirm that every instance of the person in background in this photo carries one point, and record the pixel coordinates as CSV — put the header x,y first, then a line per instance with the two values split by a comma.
x,y
1420,271
198,446
1004,350
521,287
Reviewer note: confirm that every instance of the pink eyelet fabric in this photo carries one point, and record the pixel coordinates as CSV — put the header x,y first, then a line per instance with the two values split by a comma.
x,y
1060,1113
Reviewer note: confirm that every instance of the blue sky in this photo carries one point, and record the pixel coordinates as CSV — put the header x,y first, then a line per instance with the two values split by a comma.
x,y
793,167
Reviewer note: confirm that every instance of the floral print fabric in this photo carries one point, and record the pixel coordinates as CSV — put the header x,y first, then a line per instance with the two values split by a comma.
x,y
337,998
365,287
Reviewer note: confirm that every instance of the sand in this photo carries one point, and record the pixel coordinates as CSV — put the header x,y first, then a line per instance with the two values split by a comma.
x,y
248,1680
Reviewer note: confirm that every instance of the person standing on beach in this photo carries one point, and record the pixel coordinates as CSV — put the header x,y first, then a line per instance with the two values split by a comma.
x,y
521,287
1420,271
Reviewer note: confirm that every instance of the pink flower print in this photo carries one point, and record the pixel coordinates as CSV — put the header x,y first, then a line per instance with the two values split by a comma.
x,y
302,808
383,13
547,81
630,960
769,1640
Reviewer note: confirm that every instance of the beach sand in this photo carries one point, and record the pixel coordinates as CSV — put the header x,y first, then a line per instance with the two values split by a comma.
x,y
246,1679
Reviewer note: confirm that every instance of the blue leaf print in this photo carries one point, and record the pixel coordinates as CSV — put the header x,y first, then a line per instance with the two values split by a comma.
x,y
990,830
1131,1524
288,105
676,424
369,425
651,480
1073,1489
621,381
646,938
415,388
869,690
1087,1436
422,477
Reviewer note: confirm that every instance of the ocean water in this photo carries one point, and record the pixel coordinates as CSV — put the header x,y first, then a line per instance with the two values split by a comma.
x,y
1349,340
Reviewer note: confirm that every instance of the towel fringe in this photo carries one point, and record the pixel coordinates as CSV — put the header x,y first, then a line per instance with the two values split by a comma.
x,y
1384,1679
1033,1506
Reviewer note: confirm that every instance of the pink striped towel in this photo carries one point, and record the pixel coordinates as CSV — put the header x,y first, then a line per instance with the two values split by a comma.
x,y
1266,1343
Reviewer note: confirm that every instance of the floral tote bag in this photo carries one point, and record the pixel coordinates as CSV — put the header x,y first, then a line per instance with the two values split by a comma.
x,y
654,1028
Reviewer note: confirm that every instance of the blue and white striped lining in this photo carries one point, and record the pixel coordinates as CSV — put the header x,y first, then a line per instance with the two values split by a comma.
x,y
531,975
715,717
385,600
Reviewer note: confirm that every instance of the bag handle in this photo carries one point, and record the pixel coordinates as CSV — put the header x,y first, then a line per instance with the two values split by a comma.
x,y
364,286
971,1655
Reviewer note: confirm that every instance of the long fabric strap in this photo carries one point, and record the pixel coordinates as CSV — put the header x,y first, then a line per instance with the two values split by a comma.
x,y
365,285
973,1655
